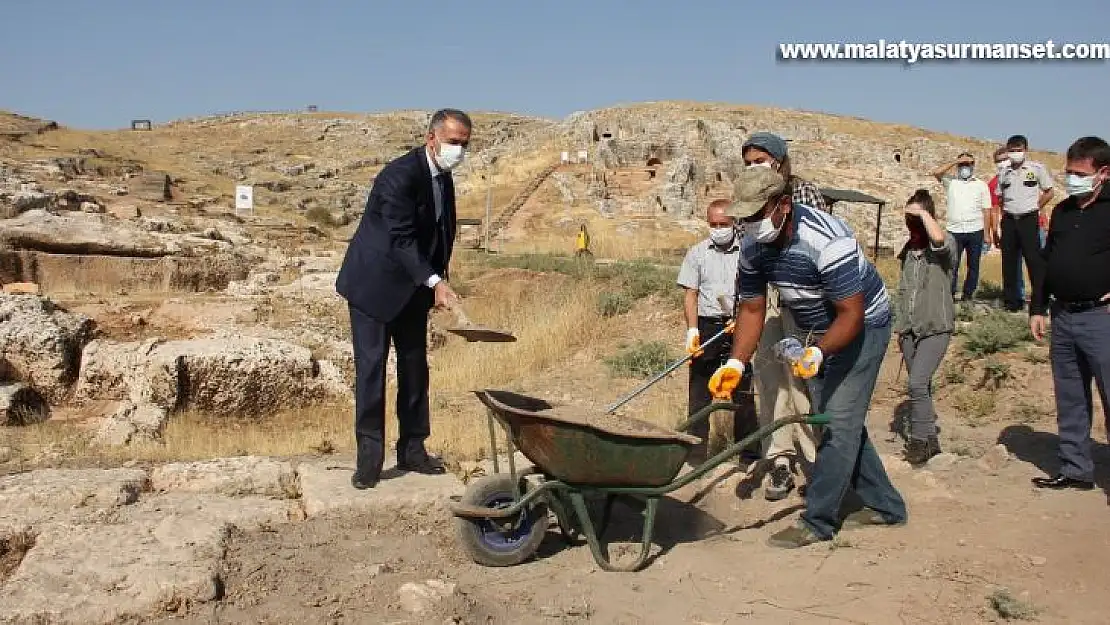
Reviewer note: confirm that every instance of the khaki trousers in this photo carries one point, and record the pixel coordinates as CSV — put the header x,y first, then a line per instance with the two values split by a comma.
x,y
780,393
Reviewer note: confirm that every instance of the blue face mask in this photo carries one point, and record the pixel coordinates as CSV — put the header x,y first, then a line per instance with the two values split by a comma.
x,y
964,172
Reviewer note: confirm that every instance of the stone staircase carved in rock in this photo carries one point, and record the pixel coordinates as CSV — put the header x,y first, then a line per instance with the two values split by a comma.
x,y
503,218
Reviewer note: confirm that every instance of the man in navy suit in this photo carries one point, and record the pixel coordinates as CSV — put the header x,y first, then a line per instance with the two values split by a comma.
x,y
394,272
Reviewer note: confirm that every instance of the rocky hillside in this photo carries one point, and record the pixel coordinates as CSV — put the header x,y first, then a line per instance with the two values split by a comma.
x,y
136,230
650,160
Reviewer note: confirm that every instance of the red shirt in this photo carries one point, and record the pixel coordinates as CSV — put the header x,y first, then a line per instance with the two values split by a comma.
x,y
993,186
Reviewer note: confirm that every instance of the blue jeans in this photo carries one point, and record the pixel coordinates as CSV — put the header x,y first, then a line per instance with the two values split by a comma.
x,y
846,459
972,243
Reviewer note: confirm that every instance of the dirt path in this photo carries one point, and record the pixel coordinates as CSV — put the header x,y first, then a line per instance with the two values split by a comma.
x,y
977,530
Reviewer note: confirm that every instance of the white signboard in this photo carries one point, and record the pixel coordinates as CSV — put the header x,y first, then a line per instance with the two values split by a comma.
x,y
566,157
582,156
244,198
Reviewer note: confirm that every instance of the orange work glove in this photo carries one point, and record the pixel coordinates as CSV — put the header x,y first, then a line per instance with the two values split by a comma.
x,y
726,379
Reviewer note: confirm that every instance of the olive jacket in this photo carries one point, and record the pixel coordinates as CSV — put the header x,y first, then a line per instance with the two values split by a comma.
x,y
923,304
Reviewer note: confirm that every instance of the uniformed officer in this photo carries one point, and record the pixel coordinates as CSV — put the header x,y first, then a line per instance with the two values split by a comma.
x,y
1025,188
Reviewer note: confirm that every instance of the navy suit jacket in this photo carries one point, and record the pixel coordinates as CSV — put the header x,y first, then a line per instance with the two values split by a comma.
x,y
398,244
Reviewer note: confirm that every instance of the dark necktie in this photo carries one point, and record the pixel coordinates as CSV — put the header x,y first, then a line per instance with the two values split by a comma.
x,y
440,192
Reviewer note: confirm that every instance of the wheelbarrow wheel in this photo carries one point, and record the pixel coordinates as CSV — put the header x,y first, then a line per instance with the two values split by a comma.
x,y
501,542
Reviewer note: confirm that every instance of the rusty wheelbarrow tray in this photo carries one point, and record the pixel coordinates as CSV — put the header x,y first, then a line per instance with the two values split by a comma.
x,y
502,518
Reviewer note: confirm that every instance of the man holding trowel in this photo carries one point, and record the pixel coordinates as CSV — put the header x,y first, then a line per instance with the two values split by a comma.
x,y
393,274
842,310
708,275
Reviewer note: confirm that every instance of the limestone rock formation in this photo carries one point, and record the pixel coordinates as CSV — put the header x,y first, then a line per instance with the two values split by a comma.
x,y
224,375
40,344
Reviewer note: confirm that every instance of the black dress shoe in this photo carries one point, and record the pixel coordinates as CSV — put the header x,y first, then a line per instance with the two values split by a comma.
x,y
427,465
1059,482
363,482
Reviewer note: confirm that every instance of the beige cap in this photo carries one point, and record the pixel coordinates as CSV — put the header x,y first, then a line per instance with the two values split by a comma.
x,y
753,188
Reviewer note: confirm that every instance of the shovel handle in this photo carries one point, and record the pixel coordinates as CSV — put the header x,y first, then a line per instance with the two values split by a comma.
x,y
464,321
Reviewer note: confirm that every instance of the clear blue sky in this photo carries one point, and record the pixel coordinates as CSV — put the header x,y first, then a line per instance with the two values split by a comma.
x,y
100,63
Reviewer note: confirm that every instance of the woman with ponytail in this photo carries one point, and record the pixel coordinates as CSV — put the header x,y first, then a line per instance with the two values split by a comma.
x,y
924,317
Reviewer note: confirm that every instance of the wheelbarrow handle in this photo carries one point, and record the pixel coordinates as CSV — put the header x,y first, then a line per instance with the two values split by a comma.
x,y
701,415
662,374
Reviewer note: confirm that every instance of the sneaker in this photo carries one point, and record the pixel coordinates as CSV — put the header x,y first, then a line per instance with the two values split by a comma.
x,y
793,537
918,451
781,483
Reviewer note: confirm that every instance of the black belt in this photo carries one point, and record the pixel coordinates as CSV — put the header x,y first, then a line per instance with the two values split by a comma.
x,y
1081,305
1021,216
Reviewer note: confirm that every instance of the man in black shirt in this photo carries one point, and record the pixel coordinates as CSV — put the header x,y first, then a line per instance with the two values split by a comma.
x,y
1076,274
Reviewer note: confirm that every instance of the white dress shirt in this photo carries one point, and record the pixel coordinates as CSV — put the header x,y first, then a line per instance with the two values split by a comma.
x,y
433,279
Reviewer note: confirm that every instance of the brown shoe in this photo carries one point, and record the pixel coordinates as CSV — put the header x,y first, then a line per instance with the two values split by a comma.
x,y
918,451
868,517
793,537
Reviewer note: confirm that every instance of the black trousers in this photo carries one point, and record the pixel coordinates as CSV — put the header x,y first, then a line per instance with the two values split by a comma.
x,y
703,367
1021,239
371,339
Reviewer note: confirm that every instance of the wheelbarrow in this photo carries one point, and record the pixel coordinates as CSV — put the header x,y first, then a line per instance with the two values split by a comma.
x,y
501,519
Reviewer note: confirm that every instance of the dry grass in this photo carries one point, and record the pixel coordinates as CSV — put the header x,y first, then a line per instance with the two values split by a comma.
x,y
554,315
551,317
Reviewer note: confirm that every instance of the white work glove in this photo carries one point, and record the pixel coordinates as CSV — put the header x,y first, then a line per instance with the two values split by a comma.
x,y
809,364
693,342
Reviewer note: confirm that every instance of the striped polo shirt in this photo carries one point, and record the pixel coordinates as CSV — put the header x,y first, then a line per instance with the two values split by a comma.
x,y
821,264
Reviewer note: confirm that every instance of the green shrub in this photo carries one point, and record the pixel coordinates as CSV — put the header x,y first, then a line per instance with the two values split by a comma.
x,y
996,332
640,360
612,304
989,290
636,279
320,215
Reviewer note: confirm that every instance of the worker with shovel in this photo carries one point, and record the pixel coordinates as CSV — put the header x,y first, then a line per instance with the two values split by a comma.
x,y
835,295
708,275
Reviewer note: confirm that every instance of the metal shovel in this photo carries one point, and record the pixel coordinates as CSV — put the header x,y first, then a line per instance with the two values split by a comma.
x,y
475,333
725,306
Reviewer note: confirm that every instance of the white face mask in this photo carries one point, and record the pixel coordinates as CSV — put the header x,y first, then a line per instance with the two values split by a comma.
x,y
1003,165
450,155
722,236
1016,157
766,232
1080,185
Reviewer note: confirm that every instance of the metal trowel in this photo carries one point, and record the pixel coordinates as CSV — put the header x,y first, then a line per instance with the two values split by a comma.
x,y
474,333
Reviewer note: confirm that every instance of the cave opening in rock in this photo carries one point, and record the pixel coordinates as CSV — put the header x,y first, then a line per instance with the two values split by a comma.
x,y
654,161
897,157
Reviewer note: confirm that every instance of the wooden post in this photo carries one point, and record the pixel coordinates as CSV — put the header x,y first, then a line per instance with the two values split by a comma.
x,y
878,226
489,209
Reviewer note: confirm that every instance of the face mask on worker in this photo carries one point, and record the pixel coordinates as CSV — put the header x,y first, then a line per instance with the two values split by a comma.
x,y
964,172
449,156
1003,165
766,231
1016,157
722,236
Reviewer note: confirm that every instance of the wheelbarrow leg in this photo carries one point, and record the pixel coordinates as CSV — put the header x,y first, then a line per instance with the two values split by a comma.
x,y
579,502
558,504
